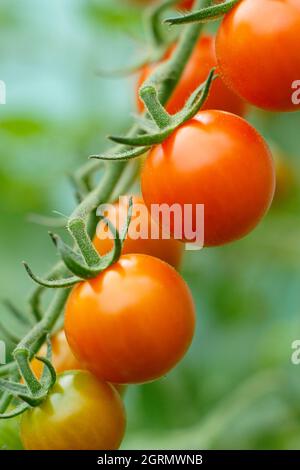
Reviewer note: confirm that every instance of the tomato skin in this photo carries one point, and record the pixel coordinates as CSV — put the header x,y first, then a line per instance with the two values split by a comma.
x,y
186,4
133,322
80,413
169,251
219,160
257,52
202,60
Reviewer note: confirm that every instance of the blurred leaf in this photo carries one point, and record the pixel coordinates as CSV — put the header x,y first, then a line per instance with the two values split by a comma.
x,y
112,14
9,434
9,17
22,126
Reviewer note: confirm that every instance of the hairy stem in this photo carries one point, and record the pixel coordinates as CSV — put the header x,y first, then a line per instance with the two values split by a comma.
x,y
164,79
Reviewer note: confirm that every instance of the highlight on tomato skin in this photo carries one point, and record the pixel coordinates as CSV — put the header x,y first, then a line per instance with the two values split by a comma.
x,y
220,161
80,413
259,59
168,250
202,60
133,322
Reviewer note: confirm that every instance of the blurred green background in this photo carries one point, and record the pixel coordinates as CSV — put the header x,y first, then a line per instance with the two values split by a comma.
x,y
237,387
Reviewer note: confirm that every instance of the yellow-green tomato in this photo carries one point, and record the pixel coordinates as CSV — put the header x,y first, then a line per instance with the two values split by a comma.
x,y
80,413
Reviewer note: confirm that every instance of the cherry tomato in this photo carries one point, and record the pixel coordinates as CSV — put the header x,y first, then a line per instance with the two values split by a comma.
x,y
258,52
168,250
80,413
219,160
202,60
133,322
62,358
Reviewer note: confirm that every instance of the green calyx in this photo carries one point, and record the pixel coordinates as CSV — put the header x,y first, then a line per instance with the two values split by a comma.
x,y
166,124
33,391
194,103
84,262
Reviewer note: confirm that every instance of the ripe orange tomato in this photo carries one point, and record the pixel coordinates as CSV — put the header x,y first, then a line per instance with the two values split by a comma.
x,y
133,322
80,413
219,160
168,250
202,60
258,52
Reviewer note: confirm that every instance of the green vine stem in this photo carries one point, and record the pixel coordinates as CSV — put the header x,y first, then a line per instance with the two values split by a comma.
x,y
128,177
82,222
36,337
5,401
156,91
22,358
34,299
168,123
153,26
167,75
156,110
156,39
100,194
211,13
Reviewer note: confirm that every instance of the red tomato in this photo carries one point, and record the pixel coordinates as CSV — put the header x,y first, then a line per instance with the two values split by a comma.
x,y
133,322
80,413
219,160
285,177
167,250
202,60
258,52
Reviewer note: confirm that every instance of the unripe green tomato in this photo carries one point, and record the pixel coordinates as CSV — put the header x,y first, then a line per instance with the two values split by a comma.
x,y
80,413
